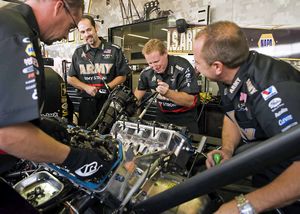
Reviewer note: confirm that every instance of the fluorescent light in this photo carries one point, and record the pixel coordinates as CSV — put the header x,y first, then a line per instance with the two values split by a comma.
x,y
118,37
138,36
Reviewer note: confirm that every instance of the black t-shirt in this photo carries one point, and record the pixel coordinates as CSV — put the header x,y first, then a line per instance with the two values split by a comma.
x,y
93,65
21,66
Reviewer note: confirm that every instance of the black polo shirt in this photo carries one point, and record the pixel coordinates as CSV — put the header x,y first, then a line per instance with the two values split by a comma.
x,y
180,76
95,65
21,66
263,100
21,70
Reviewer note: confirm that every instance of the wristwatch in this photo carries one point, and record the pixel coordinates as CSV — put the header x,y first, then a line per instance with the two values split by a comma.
x,y
244,205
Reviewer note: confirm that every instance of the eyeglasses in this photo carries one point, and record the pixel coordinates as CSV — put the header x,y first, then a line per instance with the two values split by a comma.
x,y
66,6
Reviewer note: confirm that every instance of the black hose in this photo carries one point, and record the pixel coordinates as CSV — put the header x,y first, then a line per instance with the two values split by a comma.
x,y
274,150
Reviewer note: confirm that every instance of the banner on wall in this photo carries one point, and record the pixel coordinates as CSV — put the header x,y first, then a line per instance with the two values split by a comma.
x,y
181,42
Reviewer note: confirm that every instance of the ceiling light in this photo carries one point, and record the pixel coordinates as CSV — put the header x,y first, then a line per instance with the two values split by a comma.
x,y
138,36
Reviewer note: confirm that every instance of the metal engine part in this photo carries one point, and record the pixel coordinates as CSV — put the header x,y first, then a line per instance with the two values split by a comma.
x,y
120,102
143,153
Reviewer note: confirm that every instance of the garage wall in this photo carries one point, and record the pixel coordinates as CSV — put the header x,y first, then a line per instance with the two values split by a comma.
x,y
246,13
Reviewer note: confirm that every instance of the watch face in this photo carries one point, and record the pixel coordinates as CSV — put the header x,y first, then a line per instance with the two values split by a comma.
x,y
246,209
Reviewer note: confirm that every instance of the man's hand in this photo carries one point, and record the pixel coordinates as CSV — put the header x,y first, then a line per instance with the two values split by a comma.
x,y
225,154
162,87
87,163
91,90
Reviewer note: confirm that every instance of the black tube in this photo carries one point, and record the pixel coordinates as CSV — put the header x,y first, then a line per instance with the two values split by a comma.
x,y
274,150
148,98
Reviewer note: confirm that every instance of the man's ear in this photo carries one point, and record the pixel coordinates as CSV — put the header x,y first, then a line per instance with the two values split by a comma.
x,y
59,5
218,66
97,28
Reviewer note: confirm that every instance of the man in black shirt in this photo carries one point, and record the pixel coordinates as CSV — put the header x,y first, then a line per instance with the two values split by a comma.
x,y
260,98
97,67
174,78
22,83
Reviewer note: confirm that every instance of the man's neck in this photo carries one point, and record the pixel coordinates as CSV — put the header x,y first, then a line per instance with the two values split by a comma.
x,y
230,75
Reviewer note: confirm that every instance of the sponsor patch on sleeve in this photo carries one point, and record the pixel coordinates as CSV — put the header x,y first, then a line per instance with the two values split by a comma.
x,y
269,92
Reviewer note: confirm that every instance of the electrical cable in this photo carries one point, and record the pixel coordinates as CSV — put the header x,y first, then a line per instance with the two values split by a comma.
x,y
204,101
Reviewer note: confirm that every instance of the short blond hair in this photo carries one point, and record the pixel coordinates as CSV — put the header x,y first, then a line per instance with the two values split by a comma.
x,y
154,45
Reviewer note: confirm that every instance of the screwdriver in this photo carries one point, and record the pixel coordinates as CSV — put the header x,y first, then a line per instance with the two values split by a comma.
x,y
217,158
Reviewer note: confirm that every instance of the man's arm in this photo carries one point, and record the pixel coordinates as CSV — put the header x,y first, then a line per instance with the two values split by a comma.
x,y
75,82
116,81
230,139
29,142
230,136
282,191
139,94
180,98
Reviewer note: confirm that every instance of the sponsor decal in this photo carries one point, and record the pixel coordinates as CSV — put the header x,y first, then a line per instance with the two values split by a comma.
x,y
284,120
250,87
179,68
64,100
83,55
29,87
106,56
241,107
34,95
30,50
103,68
266,40
234,85
30,81
107,51
269,92
172,70
225,91
276,108
27,70
26,40
172,79
31,75
53,114
153,79
280,112
188,75
102,91
88,169
31,61
289,126
275,103
243,97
